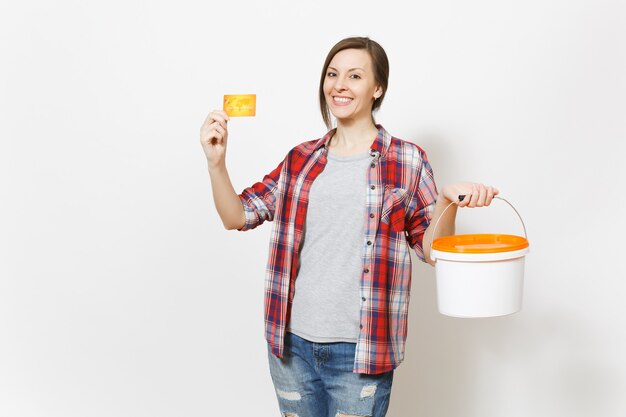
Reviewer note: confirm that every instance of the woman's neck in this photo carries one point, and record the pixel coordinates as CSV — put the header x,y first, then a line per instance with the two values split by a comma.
x,y
353,138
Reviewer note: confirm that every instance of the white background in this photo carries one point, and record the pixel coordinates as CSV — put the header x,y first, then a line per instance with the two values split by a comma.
x,y
122,295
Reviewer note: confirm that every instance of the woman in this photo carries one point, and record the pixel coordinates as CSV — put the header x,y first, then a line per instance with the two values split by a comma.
x,y
346,209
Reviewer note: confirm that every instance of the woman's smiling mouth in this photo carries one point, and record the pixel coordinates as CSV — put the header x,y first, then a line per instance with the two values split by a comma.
x,y
342,101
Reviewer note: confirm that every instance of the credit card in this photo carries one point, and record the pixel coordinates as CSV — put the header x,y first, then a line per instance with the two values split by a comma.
x,y
240,104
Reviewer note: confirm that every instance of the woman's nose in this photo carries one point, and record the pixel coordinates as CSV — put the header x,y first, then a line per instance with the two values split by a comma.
x,y
339,84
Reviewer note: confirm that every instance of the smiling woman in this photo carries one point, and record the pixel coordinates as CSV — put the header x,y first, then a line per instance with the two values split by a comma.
x,y
365,52
349,88
349,207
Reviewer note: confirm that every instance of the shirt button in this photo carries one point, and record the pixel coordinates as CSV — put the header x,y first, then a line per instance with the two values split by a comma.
x,y
369,242
360,326
366,270
373,187
373,165
363,298
371,215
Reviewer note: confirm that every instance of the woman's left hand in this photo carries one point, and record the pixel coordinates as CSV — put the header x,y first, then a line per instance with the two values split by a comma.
x,y
476,194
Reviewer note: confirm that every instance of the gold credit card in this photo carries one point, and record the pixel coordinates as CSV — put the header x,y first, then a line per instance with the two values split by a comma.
x,y
240,104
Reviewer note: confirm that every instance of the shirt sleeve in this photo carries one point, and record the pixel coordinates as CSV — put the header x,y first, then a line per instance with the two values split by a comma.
x,y
425,197
259,200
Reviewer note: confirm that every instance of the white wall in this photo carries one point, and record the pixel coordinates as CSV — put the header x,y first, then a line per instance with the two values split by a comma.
x,y
122,295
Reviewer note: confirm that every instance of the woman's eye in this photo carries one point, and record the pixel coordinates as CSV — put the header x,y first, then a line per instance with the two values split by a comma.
x,y
330,74
355,76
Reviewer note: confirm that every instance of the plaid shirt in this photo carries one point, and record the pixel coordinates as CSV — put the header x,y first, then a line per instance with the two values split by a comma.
x,y
401,196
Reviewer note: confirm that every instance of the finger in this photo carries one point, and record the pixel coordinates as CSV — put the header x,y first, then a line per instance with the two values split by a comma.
x,y
207,120
210,118
490,194
475,195
214,117
482,195
212,133
220,116
219,132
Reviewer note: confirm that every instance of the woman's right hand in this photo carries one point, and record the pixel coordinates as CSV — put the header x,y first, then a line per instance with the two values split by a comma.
x,y
213,137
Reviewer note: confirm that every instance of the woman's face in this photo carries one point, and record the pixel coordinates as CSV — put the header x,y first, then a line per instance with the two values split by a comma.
x,y
349,86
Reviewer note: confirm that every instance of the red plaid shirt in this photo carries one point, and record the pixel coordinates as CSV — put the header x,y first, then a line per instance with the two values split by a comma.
x,y
401,196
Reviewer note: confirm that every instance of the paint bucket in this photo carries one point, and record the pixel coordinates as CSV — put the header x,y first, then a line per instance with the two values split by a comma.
x,y
479,275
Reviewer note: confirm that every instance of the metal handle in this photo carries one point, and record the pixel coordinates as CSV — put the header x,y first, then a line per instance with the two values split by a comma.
x,y
461,197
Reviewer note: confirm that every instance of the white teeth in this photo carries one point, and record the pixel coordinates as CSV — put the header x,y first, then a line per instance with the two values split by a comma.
x,y
342,99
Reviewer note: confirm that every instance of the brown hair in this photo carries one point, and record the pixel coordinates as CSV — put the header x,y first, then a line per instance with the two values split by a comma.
x,y
380,64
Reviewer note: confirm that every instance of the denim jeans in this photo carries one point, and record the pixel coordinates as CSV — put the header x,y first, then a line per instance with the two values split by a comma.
x,y
316,380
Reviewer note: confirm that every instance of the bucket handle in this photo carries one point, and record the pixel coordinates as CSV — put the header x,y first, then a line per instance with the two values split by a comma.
x,y
461,198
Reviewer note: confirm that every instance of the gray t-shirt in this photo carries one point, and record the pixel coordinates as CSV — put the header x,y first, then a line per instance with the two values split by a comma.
x,y
326,305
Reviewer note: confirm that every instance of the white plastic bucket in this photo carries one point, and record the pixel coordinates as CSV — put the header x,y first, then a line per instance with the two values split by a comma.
x,y
479,275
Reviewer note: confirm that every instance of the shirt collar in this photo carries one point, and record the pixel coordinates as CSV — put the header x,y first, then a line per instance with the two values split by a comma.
x,y
380,144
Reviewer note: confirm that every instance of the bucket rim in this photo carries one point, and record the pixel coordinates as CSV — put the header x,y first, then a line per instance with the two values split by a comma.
x,y
477,257
477,243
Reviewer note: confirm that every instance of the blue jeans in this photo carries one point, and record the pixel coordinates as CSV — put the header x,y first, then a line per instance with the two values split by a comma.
x,y
316,380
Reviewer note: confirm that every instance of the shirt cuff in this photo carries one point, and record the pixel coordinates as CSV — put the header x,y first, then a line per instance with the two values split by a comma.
x,y
252,218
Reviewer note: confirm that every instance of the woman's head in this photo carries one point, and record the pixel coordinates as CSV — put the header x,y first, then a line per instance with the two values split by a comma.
x,y
354,79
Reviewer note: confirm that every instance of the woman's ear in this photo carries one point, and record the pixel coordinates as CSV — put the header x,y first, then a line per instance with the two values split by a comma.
x,y
378,92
